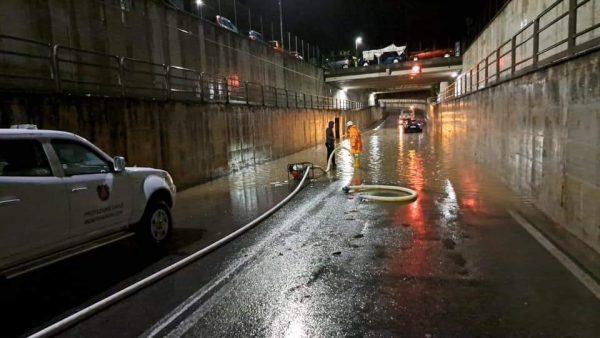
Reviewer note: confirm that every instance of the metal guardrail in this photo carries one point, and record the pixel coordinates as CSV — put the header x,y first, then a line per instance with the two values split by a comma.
x,y
33,66
526,51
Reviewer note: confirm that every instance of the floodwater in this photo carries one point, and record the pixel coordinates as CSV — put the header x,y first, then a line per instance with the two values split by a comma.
x,y
453,263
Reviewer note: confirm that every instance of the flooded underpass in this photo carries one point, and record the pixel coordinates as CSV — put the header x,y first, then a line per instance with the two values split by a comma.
x,y
453,263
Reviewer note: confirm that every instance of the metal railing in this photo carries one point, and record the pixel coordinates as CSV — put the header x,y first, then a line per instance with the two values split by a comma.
x,y
532,47
33,66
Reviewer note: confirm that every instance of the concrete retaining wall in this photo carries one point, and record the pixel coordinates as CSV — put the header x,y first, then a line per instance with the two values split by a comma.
x,y
153,32
541,132
195,142
517,14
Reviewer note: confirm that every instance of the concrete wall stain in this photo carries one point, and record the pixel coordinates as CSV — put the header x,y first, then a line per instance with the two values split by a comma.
x,y
542,133
195,142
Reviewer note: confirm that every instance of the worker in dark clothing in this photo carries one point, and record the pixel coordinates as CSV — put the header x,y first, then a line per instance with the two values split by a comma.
x,y
330,141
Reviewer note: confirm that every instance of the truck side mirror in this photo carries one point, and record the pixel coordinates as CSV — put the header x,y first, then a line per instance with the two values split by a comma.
x,y
119,163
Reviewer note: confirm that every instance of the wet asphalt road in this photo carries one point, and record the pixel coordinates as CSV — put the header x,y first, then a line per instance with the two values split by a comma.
x,y
454,263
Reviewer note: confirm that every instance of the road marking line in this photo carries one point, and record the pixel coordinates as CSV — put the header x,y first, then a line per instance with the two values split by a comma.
x,y
220,280
192,300
567,262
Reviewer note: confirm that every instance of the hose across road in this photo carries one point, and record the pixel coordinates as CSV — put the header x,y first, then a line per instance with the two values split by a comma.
x,y
406,194
126,292
82,314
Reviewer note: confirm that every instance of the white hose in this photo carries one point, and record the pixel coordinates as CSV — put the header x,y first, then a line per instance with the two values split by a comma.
x,y
120,295
412,195
331,157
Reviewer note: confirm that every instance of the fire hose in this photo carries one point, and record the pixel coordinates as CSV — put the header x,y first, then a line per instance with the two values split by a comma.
x,y
406,194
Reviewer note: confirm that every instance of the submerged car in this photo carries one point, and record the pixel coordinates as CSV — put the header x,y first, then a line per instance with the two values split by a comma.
x,y
227,24
60,195
413,126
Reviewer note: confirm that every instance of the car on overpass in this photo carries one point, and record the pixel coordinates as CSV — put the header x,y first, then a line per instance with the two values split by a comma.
x,y
425,55
276,45
255,36
390,58
223,22
297,55
341,62
60,196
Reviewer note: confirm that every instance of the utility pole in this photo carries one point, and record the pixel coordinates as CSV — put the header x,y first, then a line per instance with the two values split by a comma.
x,y
281,22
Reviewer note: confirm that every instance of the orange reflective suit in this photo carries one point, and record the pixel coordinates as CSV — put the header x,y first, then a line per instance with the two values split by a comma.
x,y
355,140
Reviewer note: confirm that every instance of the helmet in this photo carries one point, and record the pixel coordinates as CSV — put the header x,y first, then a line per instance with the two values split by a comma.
x,y
349,123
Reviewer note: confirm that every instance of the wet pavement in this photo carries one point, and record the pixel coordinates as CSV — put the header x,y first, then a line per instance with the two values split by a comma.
x,y
453,263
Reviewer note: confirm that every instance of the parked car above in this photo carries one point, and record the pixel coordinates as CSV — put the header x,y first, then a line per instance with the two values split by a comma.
x,y
64,196
297,56
276,45
227,24
255,36
438,53
390,58
341,62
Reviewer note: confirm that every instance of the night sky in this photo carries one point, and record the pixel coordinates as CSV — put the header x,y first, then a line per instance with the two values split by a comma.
x,y
422,24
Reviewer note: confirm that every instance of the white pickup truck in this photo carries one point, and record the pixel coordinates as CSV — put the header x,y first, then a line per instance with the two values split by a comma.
x,y
60,196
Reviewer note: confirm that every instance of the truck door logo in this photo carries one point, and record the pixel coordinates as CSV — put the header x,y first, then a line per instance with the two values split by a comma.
x,y
103,192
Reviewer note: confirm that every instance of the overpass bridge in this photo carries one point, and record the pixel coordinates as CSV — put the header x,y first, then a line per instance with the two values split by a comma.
x,y
400,77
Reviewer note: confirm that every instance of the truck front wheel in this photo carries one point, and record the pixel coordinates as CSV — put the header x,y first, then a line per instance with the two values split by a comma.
x,y
156,225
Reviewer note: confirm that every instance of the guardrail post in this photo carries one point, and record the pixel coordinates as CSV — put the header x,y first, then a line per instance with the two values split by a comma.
x,y
202,87
536,43
287,99
262,94
498,64
304,100
477,77
486,71
56,68
168,77
513,55
246,93
226,90
572,26
296,96
121,61
312,104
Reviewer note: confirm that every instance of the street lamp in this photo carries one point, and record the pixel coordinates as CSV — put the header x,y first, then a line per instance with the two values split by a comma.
x,y
358,41
199,4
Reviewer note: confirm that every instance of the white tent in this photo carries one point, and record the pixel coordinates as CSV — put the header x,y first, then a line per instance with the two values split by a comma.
x,y
371,55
